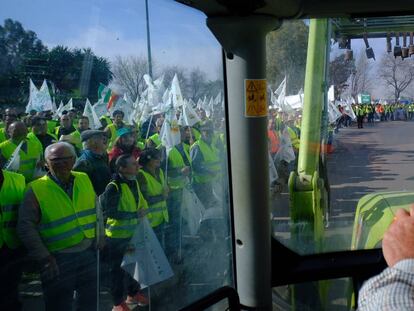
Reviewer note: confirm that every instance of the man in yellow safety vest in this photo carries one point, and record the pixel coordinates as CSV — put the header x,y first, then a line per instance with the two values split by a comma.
x,y
57,225
11,194
111,129
205,165
30,155
123,204
155,190
178,174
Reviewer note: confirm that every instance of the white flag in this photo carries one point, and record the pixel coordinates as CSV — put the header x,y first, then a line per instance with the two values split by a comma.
x,y
145,109
43,96
32,95
62,107
39,100
349,111
146,261
208,108
13,164
176,92
135,115
155,90
331,94
280,93
333,112
89,112
192,210
69,105
285,151
217,100
53,105
170,131
188,117
100,108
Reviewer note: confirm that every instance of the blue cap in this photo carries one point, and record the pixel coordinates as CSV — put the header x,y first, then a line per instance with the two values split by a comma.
x,y
123,131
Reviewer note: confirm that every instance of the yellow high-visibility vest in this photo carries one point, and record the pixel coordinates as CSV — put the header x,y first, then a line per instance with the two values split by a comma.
x,y
155,138
124,227
32,135
65,221
157,205
175,179
211,161
28,159
114,136
51,125
293,138
3,135
11,195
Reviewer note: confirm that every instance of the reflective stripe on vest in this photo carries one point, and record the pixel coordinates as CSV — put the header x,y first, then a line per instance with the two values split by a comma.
x,y
11,195
65,221
125,223
27,160
210,161
157,205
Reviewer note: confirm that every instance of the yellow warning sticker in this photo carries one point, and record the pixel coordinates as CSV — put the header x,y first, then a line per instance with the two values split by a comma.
x,y
255,97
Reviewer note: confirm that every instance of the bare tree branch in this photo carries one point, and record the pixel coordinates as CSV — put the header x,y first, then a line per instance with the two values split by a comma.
x,y
129,74
397,74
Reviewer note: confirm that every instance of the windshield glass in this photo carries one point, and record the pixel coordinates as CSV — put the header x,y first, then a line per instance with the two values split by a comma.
x,y
114,187
341,160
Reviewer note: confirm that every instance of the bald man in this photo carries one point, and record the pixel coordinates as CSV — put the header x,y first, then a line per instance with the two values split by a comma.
x,y
57,225
31,151
10,115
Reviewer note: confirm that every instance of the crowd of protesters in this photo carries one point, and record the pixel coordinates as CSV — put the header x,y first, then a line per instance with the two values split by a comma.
x,y
58,176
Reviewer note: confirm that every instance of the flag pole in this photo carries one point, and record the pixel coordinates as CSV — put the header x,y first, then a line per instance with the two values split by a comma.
x,y
148,39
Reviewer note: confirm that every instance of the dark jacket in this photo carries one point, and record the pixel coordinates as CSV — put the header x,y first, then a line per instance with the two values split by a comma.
x,y
97,168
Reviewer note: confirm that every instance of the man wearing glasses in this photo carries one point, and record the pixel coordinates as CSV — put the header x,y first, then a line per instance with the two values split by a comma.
x,y
57,225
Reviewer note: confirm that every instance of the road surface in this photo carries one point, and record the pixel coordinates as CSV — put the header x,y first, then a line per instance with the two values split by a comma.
x,y
373,159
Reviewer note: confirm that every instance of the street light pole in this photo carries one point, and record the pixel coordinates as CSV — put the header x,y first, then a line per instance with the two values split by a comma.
x,y
148,40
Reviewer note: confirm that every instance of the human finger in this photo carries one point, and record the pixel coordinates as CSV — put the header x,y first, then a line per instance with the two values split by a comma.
x,y
412,210
401,213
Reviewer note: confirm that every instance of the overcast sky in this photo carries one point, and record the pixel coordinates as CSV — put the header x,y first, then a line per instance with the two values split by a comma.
x,y
112,27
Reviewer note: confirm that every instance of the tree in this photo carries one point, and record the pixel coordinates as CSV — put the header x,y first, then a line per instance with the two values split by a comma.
x,y
129,75
70,72
22,55
361,76
181,72
77,73
339,72
397,74
286,55
197,83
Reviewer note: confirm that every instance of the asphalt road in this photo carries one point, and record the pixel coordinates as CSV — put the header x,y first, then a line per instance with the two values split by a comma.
x,y
377,158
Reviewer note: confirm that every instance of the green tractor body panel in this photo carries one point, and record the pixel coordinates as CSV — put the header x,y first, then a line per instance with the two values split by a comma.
x,y
374,214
